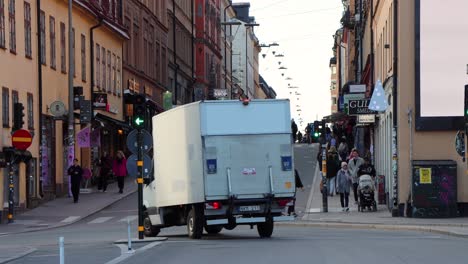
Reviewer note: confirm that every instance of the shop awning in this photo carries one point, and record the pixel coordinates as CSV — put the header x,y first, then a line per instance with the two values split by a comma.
x,y
335,117
112,121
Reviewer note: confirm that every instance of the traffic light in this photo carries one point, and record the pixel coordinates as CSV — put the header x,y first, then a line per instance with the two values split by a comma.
x,y
18,115
139,110
316,129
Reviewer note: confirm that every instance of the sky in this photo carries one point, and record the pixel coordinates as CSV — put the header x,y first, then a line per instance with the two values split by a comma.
x,y
304,31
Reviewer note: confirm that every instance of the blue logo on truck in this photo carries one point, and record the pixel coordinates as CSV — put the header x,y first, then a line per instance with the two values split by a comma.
x,y
286,163
211,166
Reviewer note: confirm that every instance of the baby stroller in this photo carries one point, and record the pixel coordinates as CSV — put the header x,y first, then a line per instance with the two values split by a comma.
x,y
366,193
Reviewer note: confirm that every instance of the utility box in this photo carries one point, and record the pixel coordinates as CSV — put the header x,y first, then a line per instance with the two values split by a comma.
x,y
434,188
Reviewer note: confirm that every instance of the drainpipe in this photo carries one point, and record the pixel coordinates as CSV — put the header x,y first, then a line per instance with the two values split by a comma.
x,y
395,95
193,54
372,44
39,90
91,42
175,52
225,47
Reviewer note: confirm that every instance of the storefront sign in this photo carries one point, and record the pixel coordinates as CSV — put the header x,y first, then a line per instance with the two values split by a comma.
x,y
99,100
357,88
366,119
359,107
348,97
218,93
112,109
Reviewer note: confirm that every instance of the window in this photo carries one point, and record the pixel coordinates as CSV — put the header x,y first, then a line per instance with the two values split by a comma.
x,y
334,70
333,100
43,40
119,77
103,53
109,72
27,30
5,107
2,24
12,22
114,74
14,97
63,49
83,58
73,53
98,66
157,60
53,55
30,112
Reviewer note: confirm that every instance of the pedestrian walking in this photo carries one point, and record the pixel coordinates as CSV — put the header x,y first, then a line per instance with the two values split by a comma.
x,y
119,167
300,186
354,163
299,137
343,149
106,167
294,130
333,166
343,187
76,174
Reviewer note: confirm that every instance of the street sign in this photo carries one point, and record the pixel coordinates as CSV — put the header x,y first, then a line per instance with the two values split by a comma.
x,y
132,167
21,139
85,111
132,142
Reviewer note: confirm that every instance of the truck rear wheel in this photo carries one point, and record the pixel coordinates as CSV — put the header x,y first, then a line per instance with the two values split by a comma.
x,y
195,223
265,229
213,229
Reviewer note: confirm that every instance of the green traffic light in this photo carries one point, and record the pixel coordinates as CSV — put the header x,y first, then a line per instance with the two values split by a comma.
x,y
139,121
316,134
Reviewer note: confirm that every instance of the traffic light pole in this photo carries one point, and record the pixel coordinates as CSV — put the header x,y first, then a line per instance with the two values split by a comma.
x,y
140,185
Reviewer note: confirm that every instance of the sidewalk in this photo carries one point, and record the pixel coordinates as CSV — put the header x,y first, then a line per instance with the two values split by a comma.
x,y
382,219
62,211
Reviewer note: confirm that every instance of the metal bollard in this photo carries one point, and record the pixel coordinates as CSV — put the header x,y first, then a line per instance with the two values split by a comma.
x,y
130,250
62,250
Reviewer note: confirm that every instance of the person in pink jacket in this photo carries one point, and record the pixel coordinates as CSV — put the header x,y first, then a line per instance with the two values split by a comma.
x,y
119,167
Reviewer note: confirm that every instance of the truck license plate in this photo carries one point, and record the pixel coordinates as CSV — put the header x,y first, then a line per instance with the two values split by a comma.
x,y
249,208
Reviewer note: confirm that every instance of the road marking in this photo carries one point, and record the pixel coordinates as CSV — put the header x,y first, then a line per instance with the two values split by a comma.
x,y
124,255
131,217
101,220
70,219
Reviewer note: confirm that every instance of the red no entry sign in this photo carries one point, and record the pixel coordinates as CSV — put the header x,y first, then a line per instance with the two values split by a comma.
x,y
21,139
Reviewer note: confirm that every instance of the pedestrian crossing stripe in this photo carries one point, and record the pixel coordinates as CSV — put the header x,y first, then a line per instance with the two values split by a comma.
x,y
70,219
131,218
100,220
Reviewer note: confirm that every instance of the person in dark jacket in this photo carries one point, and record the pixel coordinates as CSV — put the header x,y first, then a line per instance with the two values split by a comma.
x,y
300,186
294,130
106,166
333,166
76,173
367,168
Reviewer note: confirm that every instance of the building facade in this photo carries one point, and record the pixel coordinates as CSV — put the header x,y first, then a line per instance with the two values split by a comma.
x,y
145,56
227,15
43,59
208,47
181,56
388,35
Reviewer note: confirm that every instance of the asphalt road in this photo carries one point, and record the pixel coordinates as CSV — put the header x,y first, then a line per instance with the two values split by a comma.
x,y
91,240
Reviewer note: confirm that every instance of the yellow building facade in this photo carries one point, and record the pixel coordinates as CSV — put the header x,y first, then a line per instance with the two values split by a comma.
x,y
46,86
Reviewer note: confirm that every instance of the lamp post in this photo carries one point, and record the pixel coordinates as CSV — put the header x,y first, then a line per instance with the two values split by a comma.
x,y
71,70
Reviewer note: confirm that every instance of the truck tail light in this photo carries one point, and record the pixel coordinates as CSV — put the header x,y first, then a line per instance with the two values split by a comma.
x,y
285,202
213,205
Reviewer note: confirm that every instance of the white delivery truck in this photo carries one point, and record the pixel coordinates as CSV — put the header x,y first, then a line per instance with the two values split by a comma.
x,y
219,164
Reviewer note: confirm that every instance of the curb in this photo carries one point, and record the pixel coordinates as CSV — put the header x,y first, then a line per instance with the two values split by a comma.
x,y
125,195
145,240
387,227
23,254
